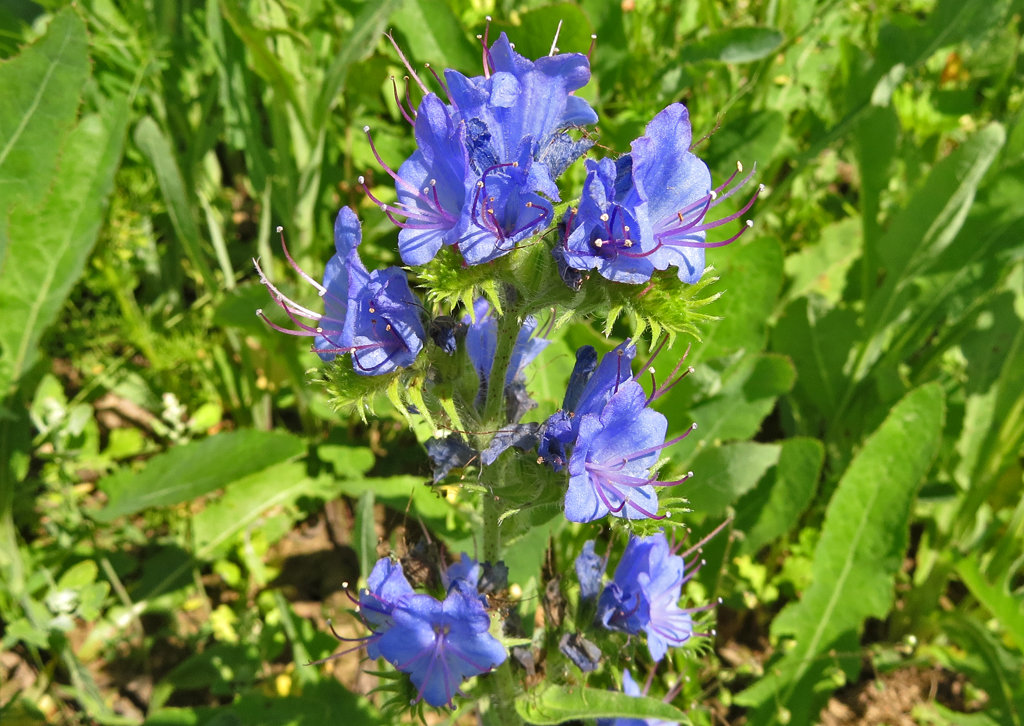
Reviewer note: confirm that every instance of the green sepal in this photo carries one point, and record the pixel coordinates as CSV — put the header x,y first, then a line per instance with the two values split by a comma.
x,y
449,281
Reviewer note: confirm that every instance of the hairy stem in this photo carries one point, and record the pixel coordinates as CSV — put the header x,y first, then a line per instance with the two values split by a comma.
x,y
494,414
499,684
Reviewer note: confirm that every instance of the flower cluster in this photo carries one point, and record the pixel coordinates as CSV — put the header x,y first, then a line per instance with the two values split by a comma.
x,y
610,438
482,182
483,175
644,594
439,643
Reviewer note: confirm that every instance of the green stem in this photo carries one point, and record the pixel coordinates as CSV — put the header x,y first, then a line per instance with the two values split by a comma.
x,y
501,710
494,403
499,684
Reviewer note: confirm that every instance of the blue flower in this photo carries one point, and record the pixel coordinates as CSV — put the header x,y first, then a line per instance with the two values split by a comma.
x,y
587,392
644,595
440,644
646,211
386,588
484,169
466,569
603,233
611,435
372,315
609,469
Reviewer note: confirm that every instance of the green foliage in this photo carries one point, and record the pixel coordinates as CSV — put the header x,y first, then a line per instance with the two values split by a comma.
x,y
554,705
857,380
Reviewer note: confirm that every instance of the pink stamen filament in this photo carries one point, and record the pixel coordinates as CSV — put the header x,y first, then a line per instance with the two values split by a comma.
x,y
401,106
405,62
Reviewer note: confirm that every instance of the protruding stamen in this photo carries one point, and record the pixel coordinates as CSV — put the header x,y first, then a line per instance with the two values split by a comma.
x,y
554,41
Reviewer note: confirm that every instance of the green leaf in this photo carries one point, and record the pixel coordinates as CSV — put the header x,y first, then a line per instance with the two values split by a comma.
x,y
158,150
745,395
774,507
246,500
991,666
820,268
365,542
735,45
919,234
47,245
862,545
1005,607
818,339
722,474
751,275
433,34
557,704
41,94
198,468
366,32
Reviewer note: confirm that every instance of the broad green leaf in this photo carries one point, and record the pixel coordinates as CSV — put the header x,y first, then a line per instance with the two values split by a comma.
x,y
751,279
750,139
365,540
774,507
735,45
41,94
556,704
920,233
862,545
990,665
747,393
365,35
1005,607
157,148
722,474
434,35
192,470
818,339
875,140
47,245
820,268
247,500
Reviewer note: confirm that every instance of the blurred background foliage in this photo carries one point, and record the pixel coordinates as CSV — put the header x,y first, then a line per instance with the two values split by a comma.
x,y
179,507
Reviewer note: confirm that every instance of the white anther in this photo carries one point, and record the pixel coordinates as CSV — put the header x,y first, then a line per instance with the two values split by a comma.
x,y
361,179
598,243
487,18
604,217
280,229
694,426
366,129
739,166
321,293
319,330
714,195
689,474
259,311
750,223
651,370
760,187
